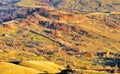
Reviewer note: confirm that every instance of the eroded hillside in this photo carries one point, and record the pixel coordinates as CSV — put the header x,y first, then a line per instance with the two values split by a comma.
x,y
85,41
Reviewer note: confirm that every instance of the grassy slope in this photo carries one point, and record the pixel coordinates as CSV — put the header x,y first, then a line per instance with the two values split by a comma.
x,y
75,4
7,68
43,66
26,3
86,4
29,67
95,27
32,4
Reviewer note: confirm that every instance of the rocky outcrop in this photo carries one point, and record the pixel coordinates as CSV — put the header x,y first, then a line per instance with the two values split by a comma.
x,y
7,15
54,25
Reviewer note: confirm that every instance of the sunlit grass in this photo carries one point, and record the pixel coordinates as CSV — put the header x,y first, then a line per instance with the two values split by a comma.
x,y
7,68
43,66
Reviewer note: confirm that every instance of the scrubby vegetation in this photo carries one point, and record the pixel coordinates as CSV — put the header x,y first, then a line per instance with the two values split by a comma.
x,y
79,42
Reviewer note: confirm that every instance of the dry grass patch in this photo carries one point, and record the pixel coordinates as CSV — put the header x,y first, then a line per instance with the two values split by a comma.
x,y
7,68
26,3
43,66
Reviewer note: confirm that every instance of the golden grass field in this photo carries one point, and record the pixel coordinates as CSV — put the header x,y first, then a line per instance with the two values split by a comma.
x,y
8,68
30,67
43,66
36,67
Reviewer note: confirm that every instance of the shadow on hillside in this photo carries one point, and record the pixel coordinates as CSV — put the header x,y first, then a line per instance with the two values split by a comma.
x,y
112,62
